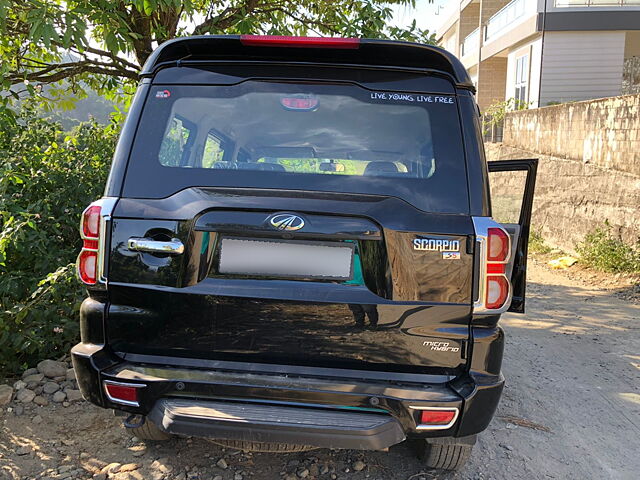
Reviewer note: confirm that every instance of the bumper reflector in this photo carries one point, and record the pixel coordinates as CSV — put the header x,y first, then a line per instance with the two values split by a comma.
x,y
436,418
124,393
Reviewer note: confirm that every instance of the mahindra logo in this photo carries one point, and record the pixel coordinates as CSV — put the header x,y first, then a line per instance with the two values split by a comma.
x,y
286,221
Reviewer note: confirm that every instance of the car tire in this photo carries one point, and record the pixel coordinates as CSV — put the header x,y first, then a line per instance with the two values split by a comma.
x,y
148,431
263,447
444,456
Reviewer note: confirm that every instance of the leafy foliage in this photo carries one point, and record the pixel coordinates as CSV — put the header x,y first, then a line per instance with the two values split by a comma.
x,y
47,178
537,243
101,44
494,115
604,251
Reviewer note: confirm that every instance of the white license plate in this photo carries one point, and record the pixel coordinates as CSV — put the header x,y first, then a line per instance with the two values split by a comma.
x,y
283,258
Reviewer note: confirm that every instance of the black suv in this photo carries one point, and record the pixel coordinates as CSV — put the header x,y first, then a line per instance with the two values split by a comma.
x,y
295,249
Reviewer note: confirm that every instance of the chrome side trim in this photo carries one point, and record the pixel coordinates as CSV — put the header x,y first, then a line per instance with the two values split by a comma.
x,y
437,427
481,226
107,205
121,384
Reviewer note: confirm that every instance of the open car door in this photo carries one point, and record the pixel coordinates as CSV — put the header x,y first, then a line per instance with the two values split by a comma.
x,y
512,186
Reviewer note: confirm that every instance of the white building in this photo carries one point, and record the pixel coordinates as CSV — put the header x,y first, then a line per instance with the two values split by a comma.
x,y
543,51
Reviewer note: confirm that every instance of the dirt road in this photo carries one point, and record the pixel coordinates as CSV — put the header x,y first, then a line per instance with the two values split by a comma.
x,y
571,410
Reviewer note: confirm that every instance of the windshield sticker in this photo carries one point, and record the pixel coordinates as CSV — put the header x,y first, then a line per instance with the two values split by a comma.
x,y
411,97
163,94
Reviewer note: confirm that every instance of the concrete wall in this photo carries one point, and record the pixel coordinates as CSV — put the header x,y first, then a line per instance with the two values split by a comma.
x,y
604,132
589,168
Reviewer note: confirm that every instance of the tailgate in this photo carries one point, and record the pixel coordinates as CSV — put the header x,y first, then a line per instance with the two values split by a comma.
x,y
385,285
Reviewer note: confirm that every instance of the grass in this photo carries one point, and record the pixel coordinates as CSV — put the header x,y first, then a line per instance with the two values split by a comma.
x,y
537,243
603,251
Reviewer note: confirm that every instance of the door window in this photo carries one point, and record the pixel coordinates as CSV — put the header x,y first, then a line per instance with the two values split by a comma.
x,y
213,151
175,146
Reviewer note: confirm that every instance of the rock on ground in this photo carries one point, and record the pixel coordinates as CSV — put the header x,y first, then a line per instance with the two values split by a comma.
x,y
29,371
25,395
50,387
33,378
52,369
73,395
59,397
6,393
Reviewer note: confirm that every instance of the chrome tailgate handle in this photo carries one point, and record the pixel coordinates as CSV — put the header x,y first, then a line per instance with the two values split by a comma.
x,y
170,247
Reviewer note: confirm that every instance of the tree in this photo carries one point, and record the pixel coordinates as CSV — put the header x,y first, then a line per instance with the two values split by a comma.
x,y
101,44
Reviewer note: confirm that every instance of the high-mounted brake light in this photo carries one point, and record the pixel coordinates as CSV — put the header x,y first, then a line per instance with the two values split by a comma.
x,y
301,42
304,103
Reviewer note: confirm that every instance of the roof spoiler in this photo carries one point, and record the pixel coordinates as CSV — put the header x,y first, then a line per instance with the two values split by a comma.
x,y
329,50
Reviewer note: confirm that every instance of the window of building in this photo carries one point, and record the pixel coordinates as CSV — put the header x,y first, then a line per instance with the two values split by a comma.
x,y
522,80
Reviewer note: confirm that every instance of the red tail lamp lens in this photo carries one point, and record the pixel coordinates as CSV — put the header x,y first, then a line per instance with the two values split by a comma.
x,y
303,42
498,245
91,222
497,291
437,417
88,266
124,393
496,268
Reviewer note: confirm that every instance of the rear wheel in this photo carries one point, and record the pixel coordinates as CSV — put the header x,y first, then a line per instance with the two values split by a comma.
x,y
147,431
445,454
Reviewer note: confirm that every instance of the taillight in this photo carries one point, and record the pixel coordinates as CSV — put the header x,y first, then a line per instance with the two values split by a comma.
x,y
304,42
497,284
87,263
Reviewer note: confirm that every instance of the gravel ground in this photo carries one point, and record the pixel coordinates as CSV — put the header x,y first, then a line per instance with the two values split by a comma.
x,y
570,410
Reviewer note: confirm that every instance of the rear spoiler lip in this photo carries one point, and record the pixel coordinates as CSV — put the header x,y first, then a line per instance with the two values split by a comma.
x,y
407,55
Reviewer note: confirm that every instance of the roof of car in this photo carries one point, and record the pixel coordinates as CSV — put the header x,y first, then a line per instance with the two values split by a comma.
x,y
369,52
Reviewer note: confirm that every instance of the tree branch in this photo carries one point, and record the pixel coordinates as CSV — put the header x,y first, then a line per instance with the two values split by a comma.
x,y
57,72
226,18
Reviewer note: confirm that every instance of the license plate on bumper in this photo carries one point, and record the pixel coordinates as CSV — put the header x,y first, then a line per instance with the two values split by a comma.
x,y
289,259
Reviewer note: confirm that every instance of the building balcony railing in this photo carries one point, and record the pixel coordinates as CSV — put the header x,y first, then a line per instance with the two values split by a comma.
x,y
597,3
507,17
471,43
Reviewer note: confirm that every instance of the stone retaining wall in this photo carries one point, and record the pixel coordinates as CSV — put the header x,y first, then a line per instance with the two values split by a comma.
x,y
573,198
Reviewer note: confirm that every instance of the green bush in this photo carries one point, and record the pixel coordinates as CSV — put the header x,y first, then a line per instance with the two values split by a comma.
x,y
603,251
47,177
537,243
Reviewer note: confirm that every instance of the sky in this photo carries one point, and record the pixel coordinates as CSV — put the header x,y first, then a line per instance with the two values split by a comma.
x,y
427,15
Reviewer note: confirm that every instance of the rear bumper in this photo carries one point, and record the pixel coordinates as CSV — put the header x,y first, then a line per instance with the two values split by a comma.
x,y
317,409
328,428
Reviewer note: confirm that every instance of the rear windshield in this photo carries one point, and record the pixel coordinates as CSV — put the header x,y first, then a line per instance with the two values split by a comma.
x,y
320,137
